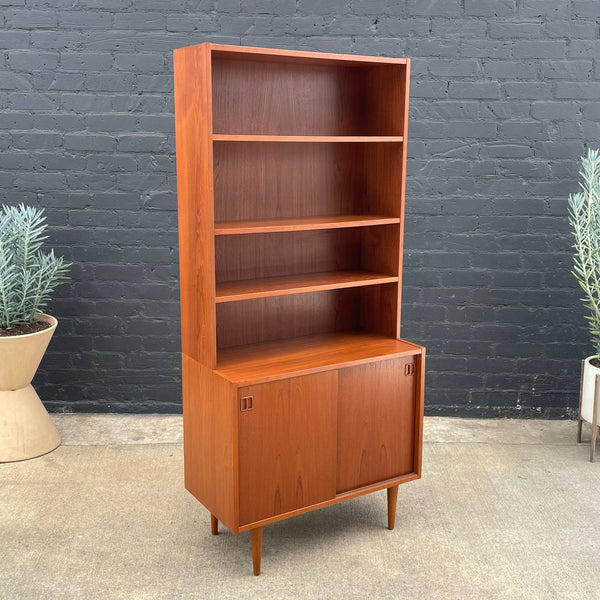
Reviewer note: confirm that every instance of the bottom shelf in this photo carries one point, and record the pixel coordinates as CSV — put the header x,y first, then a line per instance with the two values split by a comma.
x,y
259,363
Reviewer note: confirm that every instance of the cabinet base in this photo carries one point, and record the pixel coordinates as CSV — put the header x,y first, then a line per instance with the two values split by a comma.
x,y
392,497
256,534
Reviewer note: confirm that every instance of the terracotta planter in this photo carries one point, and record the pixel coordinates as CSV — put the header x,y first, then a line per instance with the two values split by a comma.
x,y
26,430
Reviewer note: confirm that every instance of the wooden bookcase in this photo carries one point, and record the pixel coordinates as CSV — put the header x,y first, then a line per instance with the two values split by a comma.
x,y
297,389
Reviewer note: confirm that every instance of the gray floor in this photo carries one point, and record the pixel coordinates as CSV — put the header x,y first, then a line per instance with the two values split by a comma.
x,y
505,509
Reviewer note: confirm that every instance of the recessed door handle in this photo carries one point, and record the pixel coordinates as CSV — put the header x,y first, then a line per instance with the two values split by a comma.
x,y
246,403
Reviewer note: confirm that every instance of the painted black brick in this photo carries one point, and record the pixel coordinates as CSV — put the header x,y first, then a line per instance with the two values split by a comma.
x,y
505,98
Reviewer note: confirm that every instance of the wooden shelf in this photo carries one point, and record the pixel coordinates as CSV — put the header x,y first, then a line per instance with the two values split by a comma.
x,y
232,291
302,224
259,363
221,137
290,57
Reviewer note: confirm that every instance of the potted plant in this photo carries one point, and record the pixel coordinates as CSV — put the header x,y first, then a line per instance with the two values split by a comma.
x,y
28,276
584,217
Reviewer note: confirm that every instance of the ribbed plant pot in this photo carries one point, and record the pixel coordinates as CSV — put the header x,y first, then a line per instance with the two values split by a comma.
x,y
26,430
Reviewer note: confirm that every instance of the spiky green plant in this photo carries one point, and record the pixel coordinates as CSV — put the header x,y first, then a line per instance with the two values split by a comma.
x,y
28,276
584,217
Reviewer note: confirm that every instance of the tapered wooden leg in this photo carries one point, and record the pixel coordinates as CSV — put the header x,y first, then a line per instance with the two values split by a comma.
x,y
214,524
392,497
256,541
595,419
580,421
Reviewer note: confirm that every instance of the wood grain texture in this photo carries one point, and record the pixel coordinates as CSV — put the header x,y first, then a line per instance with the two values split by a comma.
x,y
337,139
256,536
193,128
378,309
379,249
405,84
291,169
419,412
386,99
382,189
283,254
298,284
274,98
392,499
376,423
209,442
299,56
244,257
299,356
302,224
285,317
368,489
256,181
295,100
371,309
287,446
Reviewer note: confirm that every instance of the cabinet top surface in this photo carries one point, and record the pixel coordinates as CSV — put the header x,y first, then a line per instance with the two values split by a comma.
x,y
270,54
245,365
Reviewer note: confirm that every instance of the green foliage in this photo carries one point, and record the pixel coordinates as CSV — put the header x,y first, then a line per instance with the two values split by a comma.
x,y
584,217
28,276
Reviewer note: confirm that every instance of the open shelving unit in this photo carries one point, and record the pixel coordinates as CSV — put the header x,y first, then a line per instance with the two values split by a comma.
x,y
291,177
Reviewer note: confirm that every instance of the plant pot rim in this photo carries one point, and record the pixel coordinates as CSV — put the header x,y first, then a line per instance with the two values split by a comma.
x,y
41,317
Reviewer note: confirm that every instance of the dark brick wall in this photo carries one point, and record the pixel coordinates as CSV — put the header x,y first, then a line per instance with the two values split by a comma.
x,y
504,101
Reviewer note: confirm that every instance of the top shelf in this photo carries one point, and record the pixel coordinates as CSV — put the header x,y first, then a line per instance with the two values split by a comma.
x,y
220,137
220,51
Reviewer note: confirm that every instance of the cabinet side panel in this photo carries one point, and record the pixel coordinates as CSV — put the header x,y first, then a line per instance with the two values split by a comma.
x,y
419,413
209,440
405,82
376,422
378,309
195,202
287,445
385,100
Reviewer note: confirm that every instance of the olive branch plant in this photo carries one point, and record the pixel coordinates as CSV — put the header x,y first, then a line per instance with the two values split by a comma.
x,y
584,218
28,276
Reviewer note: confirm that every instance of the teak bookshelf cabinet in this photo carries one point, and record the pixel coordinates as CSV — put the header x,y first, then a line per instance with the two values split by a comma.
x,y
297,389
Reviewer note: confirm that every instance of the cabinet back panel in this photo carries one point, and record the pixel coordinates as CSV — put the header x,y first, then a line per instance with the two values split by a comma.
x,y
240,257
386,99
258,180
284,317
383,167
278,98
251,97
378,312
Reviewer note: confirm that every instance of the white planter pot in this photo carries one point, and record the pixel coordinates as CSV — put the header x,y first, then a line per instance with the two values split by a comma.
x,y
26,430
587,392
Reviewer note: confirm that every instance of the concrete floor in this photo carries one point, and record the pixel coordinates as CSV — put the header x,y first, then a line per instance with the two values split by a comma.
x,y
505,509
